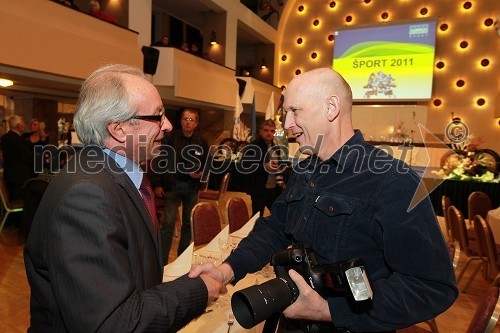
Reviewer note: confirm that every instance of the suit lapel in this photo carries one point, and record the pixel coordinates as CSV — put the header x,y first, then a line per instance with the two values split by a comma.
x,y
121,178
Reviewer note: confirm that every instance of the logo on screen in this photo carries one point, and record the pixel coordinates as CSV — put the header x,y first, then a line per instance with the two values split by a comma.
x,y
418,30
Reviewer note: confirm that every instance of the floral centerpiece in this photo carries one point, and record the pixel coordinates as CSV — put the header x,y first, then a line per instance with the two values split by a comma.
x,y
470,163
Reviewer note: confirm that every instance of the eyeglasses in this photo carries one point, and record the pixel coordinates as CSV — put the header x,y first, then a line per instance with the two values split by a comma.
x,y
189,119
156,118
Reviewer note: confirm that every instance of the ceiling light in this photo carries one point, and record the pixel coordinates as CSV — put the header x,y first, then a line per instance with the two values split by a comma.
x,y
213,41
263,66
5,83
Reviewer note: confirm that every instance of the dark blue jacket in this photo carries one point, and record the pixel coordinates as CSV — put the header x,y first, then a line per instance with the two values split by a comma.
x,y
355,205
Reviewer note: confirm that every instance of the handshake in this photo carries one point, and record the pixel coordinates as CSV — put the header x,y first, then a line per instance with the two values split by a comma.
x,y
289,292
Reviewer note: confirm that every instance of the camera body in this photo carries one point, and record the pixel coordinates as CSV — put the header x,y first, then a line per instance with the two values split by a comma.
x,y
347,278
257,303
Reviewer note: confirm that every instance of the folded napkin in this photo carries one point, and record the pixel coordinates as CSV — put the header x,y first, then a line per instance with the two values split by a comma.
x,y
180,266
495,212
213,246
245,230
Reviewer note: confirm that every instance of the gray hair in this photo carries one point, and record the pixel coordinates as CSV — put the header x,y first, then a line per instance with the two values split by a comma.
x,y
15,120
103,100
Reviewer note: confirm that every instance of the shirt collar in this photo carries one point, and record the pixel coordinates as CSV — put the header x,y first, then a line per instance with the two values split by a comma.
x,y
132,170
341,157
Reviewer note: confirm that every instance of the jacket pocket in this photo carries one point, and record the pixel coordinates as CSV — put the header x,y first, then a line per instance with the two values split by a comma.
x,y
333,217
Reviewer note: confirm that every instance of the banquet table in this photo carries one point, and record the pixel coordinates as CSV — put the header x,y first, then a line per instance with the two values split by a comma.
x,y
215,318
494,221
458,191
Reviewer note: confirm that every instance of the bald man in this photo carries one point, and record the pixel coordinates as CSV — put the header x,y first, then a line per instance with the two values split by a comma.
x,y
348,200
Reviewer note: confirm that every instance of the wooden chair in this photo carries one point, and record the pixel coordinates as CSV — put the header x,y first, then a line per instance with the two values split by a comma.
x,y
454,250
236,214
446,203
216,196
8,206
479,203
205,223
488,246
469,247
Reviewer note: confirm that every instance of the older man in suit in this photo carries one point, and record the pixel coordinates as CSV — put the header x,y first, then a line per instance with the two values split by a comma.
x,y
92,256
17,158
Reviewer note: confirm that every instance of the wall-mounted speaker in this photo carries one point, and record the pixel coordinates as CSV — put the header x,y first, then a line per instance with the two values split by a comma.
x,y
151,56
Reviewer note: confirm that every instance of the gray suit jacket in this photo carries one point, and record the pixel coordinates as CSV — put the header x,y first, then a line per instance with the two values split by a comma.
x,y
93,260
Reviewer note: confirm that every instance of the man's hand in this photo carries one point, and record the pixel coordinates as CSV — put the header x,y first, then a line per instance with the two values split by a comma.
x,y
159,192
309,305
214,288
222,273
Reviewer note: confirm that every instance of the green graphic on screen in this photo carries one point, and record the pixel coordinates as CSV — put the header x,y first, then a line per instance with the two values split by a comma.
x,y
387,63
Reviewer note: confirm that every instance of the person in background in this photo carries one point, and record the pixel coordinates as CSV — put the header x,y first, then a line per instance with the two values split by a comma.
x,y
92,255
181,182
185,47
261,184
18,164
163,42
348,200
194,49
68,3
37,134
95,10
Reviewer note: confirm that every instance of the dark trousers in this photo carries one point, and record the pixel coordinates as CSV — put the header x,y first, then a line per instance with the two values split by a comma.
x,y
261,200
188,195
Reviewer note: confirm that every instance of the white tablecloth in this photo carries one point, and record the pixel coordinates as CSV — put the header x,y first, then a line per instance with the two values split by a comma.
x,y
494,221
215,319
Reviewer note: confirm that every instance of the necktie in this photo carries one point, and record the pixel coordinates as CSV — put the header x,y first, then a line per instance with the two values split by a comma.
x,y
149,199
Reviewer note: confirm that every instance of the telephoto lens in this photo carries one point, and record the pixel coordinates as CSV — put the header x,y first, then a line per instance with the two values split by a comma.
x,y
257,303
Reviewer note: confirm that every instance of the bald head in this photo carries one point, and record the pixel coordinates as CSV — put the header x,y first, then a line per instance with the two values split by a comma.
x,y
318,105
320,83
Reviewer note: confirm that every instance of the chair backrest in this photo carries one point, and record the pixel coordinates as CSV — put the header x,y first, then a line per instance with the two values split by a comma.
x,y
479,203
454,250
486,315
458,229
205,223
446,203
224,184
486,241
4,194
237,213
204,183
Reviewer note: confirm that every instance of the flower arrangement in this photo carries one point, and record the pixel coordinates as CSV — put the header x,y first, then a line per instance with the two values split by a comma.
x,y
468,162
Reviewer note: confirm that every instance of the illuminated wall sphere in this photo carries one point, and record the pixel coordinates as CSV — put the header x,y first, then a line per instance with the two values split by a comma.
x,y
284,57
331,38
443,27
316,23
298,71
332,4
283,87
488,22
437,102
485,62
464,44
368,1
467,5
301,8
348,18
440,65
385,15
480,101
424,11
460,83
299,40
314,55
